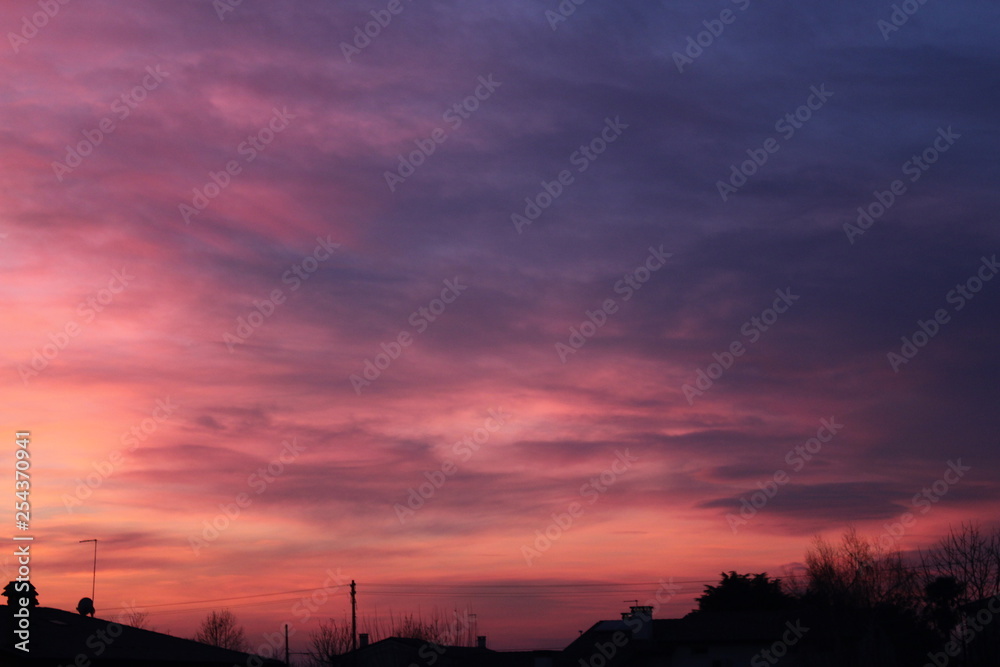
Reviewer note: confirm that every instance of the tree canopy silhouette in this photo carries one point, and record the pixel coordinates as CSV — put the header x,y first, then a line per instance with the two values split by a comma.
x,y
12,591
744,592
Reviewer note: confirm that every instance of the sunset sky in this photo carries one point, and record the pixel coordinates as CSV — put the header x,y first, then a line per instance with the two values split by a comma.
x,y
501,309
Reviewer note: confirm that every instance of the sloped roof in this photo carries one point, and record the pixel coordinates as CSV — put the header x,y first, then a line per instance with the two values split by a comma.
x,y
58,637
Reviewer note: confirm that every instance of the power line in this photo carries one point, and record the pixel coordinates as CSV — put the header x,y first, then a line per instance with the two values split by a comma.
x,y
238,597
435,589
417,589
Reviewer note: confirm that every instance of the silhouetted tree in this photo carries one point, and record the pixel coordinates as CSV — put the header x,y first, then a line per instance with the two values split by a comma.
x,y
744,592
869,600
859,574
418,628
328,641
13,593
969,556
965,565
943,596
137,619
219,629
440,628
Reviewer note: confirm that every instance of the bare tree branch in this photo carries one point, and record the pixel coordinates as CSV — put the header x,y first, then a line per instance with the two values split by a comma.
x,y
219,629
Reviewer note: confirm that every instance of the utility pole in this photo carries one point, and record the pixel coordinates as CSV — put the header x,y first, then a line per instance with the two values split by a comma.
x,y
286,645
354,617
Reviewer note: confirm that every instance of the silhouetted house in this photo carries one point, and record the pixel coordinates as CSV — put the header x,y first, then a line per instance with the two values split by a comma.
x,y
61,638
403,652
712,639
700,639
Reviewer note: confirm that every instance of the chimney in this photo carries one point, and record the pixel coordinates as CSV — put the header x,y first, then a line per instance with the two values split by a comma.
x,y
481,641
639,619
645,611
364,639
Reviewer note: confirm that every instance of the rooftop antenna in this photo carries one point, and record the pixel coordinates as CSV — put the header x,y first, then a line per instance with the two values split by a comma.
x,y
93,582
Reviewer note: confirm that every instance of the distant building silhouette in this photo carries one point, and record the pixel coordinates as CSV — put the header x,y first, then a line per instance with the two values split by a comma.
x,y
700,639
404,651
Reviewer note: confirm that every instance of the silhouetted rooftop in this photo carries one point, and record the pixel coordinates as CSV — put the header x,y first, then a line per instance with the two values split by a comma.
x,y
404,651
58,637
